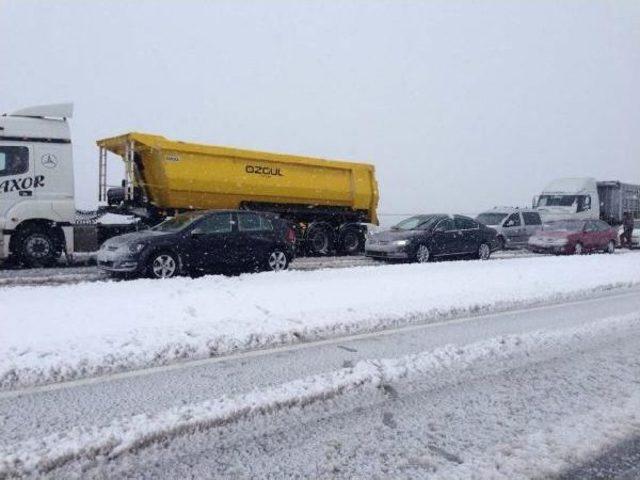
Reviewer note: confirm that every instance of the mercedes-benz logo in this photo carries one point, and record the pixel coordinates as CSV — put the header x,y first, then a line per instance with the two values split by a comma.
x,y
49,160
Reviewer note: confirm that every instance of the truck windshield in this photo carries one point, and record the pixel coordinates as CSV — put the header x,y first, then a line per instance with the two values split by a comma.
x,y
491,218
419,222
556,200
176,223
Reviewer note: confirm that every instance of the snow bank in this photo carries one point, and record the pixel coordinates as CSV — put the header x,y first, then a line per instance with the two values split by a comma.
x,y
124,435
59,333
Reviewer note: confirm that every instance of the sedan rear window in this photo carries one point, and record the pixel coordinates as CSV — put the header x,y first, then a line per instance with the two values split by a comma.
x,y
464,223
418,222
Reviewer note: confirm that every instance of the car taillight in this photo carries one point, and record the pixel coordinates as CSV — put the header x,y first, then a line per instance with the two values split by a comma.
x,y
291,236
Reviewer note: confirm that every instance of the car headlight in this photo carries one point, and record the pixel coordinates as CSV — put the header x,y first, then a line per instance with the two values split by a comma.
x,y
137,247
401,243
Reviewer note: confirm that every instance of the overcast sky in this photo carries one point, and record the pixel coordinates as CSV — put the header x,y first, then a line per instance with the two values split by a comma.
x,y
460,105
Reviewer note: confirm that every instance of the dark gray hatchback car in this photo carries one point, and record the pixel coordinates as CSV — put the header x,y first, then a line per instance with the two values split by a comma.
x,y
422,238
196,242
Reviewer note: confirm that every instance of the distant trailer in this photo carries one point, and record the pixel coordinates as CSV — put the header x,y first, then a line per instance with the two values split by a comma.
x,y
616,198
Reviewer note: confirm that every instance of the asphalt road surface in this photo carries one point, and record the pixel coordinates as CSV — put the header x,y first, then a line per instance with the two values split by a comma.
x,y
513,410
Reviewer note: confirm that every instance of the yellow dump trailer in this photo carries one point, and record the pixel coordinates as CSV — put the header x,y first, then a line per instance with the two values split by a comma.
x,y
329,200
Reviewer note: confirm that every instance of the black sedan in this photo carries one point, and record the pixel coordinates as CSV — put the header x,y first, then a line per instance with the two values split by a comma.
x,y
197,242
422,238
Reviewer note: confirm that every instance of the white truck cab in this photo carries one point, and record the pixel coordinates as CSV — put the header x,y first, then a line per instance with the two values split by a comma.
x,y
569,198
37,207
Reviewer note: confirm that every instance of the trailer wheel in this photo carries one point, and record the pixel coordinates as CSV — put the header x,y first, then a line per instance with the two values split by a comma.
x,y
319,240
36,248
351,241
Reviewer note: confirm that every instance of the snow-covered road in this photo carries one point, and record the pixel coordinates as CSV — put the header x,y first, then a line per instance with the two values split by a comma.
x,y
88,329
511,395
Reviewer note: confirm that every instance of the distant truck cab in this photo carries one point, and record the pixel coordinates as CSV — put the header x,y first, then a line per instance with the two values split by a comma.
x,y
569,198
587,199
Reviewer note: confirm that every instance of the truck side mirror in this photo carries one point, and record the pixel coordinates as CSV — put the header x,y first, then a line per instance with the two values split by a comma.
x,y
534,202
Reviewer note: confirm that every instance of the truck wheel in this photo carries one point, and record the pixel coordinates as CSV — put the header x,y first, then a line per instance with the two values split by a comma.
x,y
319,240
351,242
163,265
36,248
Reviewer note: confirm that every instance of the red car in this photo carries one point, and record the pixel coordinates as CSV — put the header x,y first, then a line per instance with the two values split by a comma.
x,y
574,237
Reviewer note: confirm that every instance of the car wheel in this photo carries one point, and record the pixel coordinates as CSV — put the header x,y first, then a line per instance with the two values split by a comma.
x,y
37,248
277,261
578,249
611,247
163,265
423,255
484,251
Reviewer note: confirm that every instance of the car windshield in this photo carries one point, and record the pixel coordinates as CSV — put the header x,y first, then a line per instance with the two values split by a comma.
x,y
418,222
176,223
564,226
491,218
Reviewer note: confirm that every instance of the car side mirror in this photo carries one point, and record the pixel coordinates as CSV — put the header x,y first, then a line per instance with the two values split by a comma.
x,y
196,232
439,229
